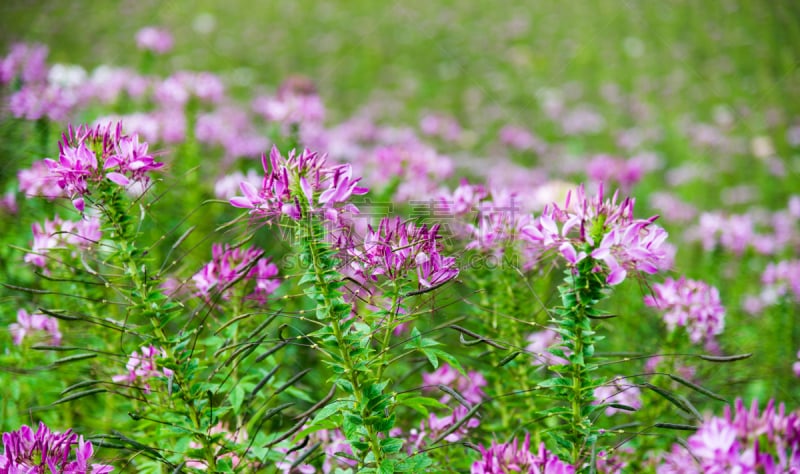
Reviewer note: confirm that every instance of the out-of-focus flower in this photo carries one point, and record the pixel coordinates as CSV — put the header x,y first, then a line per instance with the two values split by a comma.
x,y
28,324
691,304
469,387
45,452
237,436
60,234
796,365
503,458
142,366
618,391
154,39
37,181
539,344
26,62
232,265
296,102
8,203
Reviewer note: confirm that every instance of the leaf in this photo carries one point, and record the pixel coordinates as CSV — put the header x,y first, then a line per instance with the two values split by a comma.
x,y
330,409
387,466
391,445
236,398
556,382
419,403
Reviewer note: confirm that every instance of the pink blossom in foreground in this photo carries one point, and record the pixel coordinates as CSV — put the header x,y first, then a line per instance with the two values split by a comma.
x,y
46,452
58,234
503,458
618,391
89,155
398,249
154,39
233,265
30,324
690,304
603,229
742,441
142,366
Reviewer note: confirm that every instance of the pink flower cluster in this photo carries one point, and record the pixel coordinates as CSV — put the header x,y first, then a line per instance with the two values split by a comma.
x,y
154,39
539,344
38,91
397,248
122,160
45,452
502,458
28,324
618,391
237,436
691,304
469,387
603,230
743,441
232,265
288,180
60,234
142,366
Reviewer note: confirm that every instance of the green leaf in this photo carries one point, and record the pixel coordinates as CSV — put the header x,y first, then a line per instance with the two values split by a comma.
x,y
420,403
391,445
237,398
387,466
330,409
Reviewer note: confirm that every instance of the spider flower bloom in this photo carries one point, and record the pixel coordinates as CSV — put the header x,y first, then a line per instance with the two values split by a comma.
x,y
741,441
602,229
396,249
45,452
28,324
691,304
88,155
154,39
229,266
502,458
293,179
142,365
60,234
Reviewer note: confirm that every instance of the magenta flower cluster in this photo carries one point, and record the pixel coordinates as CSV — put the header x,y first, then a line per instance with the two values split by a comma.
x,y
60,234
470,387
398,248
742,441
691,304
122,160
30,324
604,230
142,366
504,458
47,452
232,265
288,180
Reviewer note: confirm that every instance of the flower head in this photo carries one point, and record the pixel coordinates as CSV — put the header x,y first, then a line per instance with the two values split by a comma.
x,y
60,234
27,324
154,39
142,366
45,452
692,304
231,265
503,458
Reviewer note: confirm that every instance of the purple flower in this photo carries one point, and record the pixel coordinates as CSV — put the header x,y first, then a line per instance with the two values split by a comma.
x,y
87,154
232,265
539,344
503,458
604,230
154,39
690,304
617,391
27,324
396,249
290,180
142,366
60,234
741,441
469,387
46,452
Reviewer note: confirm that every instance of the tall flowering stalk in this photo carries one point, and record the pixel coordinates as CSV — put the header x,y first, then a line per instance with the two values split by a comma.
x,y
601,243
313,197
